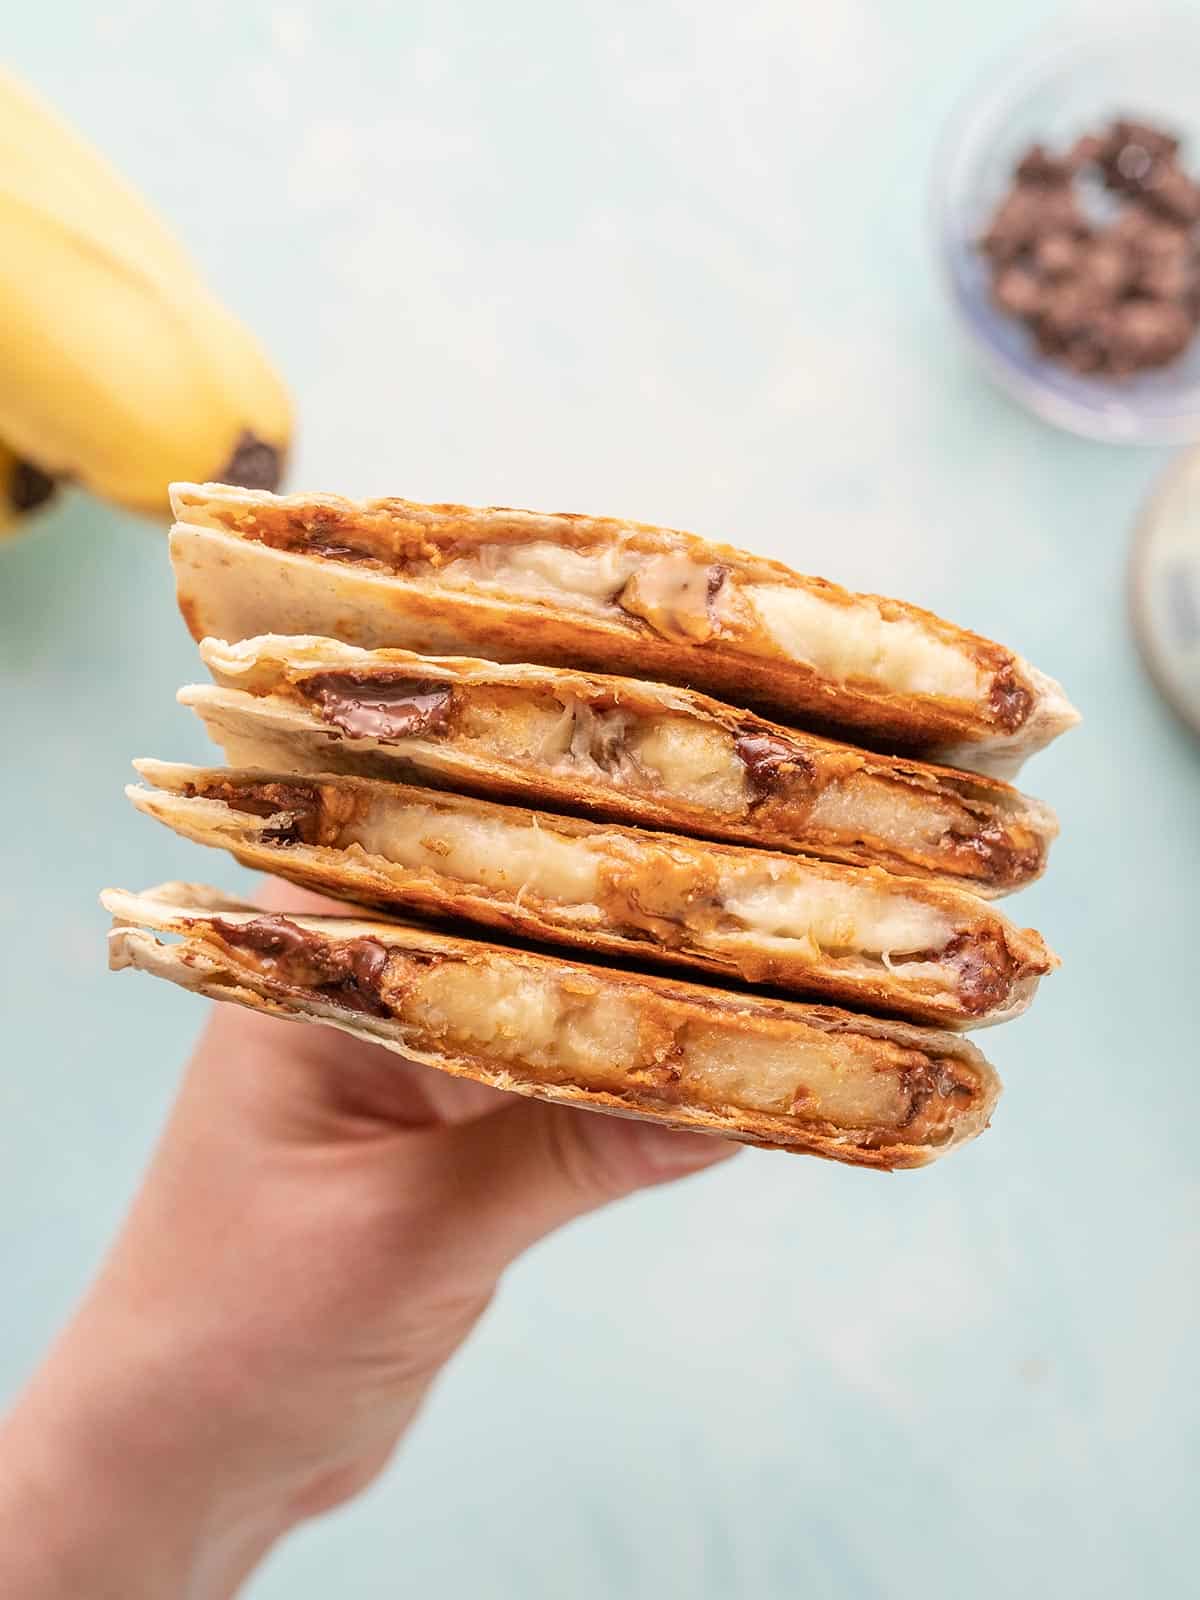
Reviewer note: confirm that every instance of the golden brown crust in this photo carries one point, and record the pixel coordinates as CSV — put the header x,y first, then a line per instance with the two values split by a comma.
x,y
783,789
203,962
374,573
623,892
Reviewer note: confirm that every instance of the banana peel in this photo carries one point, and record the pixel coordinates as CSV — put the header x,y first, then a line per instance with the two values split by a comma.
x,y
119,369
24,489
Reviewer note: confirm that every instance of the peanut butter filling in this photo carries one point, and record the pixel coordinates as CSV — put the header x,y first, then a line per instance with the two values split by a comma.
x,y
763,915
795,793
567,1025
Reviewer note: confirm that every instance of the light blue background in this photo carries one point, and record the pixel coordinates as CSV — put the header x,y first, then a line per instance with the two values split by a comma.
x,y
667,261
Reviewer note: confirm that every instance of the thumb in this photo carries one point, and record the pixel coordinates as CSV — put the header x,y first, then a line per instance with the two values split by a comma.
x,y
507,1179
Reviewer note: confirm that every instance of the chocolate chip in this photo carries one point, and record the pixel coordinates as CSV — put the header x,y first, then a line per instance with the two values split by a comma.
x,y
1103,295
1165,280
1174,194
1152,331
1085,152
1056,254
1018,291
1104,268
1161,145
1038,166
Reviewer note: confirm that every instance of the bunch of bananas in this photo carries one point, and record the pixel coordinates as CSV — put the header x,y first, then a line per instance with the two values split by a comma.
x,y
119,371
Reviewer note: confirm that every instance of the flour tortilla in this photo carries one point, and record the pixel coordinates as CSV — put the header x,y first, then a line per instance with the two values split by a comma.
x,y
763,1071
615,748
858,938
609,596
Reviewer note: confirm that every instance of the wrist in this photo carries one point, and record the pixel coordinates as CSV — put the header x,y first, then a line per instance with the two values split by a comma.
x,y
114,1483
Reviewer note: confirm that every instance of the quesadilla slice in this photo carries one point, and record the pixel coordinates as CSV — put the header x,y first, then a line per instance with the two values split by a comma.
x,y
765,1071
607,596
615,748
896,945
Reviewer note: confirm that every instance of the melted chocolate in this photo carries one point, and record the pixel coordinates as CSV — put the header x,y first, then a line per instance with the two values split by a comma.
x,y
1005,861
301,802
932,1077
772,763
375,706
322,533
1010,702
337,552
347,973
984,967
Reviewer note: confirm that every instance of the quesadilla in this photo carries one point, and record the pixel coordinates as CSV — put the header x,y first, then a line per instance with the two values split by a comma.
x,y
761,1070
616,748
608,596
897,945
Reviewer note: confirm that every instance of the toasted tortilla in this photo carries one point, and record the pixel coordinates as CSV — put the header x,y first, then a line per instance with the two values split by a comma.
x,y
768,1072
615,748
860,938
608,596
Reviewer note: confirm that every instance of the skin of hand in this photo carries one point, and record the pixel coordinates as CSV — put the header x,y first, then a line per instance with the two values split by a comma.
x,y
321,1226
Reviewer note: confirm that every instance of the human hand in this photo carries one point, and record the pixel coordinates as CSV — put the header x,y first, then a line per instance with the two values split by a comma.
x,y
321,1227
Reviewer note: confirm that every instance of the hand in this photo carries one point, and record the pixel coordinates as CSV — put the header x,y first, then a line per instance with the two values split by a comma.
x,y
321,1227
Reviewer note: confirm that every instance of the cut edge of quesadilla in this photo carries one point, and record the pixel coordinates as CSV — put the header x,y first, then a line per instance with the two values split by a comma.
x,y
625,749
856,937
620,596
769,1072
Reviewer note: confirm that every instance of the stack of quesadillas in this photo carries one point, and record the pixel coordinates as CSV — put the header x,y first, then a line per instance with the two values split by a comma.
x,y
627,819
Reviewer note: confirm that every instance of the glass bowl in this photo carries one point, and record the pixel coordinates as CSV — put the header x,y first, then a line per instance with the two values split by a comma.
x,y
1164,587
1071,82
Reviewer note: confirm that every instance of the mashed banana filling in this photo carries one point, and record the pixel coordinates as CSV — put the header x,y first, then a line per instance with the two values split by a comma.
x,y
744,906
829,800
855,640
567,1025
683,599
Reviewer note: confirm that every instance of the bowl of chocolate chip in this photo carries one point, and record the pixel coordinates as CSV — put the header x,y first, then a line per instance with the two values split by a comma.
x,y
1067,214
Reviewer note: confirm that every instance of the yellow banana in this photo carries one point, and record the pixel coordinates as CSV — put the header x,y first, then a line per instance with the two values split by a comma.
x,y
22,489
118,368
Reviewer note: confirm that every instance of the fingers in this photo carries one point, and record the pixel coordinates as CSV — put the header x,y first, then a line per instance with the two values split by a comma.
x,y
275,894
506,1180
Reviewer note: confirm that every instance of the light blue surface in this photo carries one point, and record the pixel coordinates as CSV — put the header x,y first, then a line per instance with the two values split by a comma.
x,y
669,262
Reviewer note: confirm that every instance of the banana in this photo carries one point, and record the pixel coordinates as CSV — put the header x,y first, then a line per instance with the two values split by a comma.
x,y
22,489
118,368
